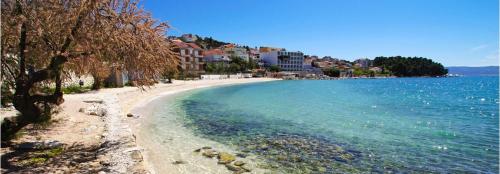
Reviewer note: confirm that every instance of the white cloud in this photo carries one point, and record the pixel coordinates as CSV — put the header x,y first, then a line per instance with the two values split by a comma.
x,y
479,47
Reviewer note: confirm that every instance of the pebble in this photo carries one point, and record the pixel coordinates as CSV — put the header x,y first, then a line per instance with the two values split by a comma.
x,y
239,163
93,101
179,162
136,155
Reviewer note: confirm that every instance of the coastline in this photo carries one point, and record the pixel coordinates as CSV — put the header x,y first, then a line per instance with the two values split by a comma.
x,y
188,141
94,131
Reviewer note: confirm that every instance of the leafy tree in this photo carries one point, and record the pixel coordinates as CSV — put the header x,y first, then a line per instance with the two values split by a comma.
x,y
363,72
209,42
332,72
42,40
234,68
410,66
274,68
252,64
242,64
210,68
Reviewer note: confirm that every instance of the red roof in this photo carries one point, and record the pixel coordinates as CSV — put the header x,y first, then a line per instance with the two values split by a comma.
x,y
193,45
213,52
181,44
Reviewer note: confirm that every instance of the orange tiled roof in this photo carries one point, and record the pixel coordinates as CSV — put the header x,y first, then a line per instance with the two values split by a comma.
x,y
213,52
193,45
182,44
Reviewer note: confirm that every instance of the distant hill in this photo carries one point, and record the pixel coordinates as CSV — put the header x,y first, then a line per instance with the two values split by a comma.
x,y
474,71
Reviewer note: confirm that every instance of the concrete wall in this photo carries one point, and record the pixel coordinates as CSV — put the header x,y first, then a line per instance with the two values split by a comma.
x,y
225,76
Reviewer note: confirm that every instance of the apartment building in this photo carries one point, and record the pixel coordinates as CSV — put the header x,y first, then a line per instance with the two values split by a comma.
x,y
190,58
286,60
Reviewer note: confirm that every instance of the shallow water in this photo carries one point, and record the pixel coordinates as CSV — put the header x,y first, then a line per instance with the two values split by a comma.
x,y
441,125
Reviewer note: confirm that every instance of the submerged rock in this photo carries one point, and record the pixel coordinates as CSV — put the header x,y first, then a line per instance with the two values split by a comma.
x,y
239,163
225,158
232,167
241,155
206,147
209,153
345,157
302,154
246,168
197,150
130,115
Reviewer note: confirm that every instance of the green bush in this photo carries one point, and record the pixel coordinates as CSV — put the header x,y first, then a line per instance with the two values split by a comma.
x,y
73,89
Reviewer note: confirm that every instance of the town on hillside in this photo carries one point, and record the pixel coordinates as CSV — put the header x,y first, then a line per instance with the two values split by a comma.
x,y
206,58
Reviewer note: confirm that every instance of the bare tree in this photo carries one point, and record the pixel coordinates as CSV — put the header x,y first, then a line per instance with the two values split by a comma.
x,y
41,39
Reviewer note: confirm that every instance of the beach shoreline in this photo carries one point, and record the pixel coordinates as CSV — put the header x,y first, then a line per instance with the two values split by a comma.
x,y
142,109
99,119
187,141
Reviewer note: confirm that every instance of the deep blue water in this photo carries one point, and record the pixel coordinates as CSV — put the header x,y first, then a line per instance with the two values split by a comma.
x,y
431,125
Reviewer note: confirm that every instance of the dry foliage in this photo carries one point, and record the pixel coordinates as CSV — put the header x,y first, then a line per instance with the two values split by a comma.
x,y
42,39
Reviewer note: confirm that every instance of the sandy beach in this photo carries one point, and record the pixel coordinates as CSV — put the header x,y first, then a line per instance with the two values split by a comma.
x,y
99,119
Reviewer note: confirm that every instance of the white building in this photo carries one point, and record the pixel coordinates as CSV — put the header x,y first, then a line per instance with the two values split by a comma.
x,y
237,51
286,60
189,37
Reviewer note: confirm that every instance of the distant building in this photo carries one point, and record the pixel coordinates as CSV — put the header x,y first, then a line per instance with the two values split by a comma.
x,y
237,51
171,37
330,59
363,63
189,37
308,62
191,57
376,69
254,54
286,60
215,55
269,49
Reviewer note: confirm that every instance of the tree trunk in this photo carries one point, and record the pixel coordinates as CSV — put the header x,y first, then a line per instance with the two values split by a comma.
x,y
36,107
97,82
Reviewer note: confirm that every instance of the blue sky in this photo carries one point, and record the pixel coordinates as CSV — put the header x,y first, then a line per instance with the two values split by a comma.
x,y
453,32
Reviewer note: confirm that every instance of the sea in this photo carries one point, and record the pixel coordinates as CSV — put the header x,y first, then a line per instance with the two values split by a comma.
x,y
393,125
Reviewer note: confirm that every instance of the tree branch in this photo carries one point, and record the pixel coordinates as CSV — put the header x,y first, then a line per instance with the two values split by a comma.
x,y
75,28
22,48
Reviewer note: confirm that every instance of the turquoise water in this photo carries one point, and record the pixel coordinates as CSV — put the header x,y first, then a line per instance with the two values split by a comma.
x,y
431,125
